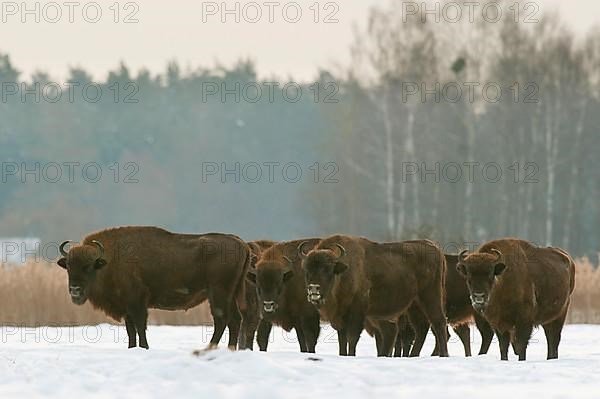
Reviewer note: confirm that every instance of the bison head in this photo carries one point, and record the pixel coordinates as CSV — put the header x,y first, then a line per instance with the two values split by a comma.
x,y
321,266
481,270
81,262
270,278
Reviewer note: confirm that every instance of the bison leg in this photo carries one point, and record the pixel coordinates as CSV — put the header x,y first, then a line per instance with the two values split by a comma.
x,y
353,337
247,334
487,334
522,335
131,333
219,308
553,332
503,342
262,338
140,318
432,305
389,331
436,350
421,327
464,333
301,337
406,336
312,327
233,325
342,342
248,330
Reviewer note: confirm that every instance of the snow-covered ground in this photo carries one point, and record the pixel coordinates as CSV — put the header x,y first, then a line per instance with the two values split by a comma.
x,y
93,362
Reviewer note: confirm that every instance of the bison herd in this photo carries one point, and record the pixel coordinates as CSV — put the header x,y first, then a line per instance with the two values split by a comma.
x,y
396,291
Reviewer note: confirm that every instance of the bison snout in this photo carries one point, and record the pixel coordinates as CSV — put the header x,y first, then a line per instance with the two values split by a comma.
x,y
314,294
269,306
75,291
314,289
479,300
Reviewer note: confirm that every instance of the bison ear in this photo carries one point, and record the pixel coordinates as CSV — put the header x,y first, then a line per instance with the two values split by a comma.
x,y
62,262
462,270
100,263
251,275
339,268
499,268
288,274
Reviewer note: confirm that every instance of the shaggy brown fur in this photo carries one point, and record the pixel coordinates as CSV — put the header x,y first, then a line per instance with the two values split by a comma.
x,y
124,271
251,318
281,292
350,279
516,286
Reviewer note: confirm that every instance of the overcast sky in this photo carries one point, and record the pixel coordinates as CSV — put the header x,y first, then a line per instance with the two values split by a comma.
x,y
175,30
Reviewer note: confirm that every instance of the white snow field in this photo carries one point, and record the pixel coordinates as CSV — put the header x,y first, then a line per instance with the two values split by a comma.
x,y
93,362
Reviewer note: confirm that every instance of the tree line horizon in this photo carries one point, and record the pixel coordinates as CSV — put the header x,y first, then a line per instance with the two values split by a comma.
x,y
379,145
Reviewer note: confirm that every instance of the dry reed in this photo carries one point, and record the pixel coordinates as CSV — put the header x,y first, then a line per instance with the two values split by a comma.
x,y
36,295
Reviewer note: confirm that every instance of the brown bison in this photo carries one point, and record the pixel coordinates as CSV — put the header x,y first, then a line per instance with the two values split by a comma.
x,y
252,317
124,271
460,312
516,286
281,294
350,279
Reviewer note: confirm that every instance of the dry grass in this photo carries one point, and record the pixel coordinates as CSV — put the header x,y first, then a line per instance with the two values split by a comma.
x,y
585,305
36,295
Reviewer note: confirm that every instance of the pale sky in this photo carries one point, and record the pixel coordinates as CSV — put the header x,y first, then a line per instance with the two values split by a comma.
x,y
175,30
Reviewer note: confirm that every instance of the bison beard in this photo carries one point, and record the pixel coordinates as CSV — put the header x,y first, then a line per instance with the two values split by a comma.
x,y
351,279
125,271
516,286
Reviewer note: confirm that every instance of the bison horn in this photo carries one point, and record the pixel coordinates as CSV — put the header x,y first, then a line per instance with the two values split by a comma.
x,y
288,260
498,254
301,252
61,249
463,255
100,248
342,249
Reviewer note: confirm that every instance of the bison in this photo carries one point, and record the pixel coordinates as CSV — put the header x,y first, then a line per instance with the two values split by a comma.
x,y
516,285
350,279
281,295
460,312
252,318
125,271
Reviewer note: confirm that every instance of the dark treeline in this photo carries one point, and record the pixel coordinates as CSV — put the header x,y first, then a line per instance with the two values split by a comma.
x,y
386,149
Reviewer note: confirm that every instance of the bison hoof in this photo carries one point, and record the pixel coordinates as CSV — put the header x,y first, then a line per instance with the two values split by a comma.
x,y
200,352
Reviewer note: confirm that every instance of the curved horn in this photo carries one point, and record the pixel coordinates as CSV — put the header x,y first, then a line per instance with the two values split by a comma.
x,y
498,254
288,260
342,249
301,252
100,248
61,249
463,255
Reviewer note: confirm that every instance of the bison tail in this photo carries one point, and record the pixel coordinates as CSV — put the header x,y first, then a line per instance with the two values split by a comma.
x,y
572,274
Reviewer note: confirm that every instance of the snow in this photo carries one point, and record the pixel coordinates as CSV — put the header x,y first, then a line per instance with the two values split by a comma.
x,y
94,361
